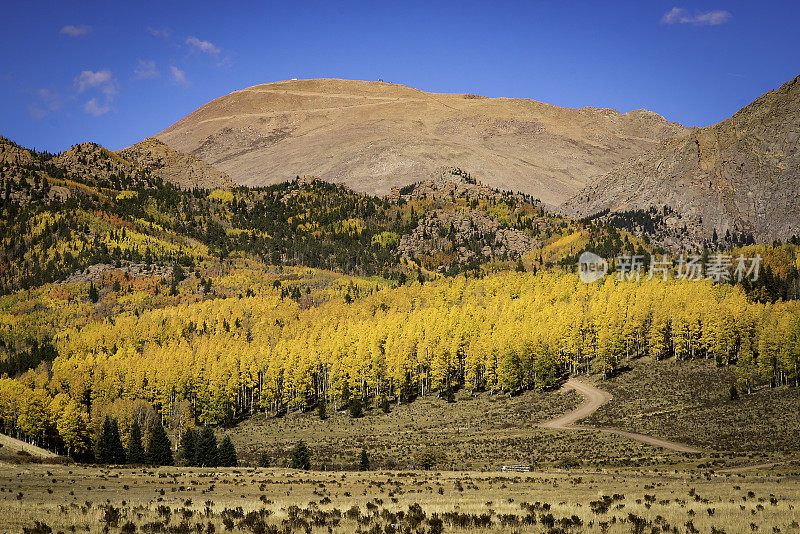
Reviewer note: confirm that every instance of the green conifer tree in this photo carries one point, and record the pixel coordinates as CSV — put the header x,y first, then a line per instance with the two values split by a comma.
x,y
301,457
363,461
101,446
108,448
135,453
188,448
356,409
116,452
207,454
227,453
159,448
93,294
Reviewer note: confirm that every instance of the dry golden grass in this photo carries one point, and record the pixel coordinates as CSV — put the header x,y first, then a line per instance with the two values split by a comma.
x,y
88,499
482,433
690,402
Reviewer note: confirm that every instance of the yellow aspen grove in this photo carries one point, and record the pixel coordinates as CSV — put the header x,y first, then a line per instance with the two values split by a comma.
x,y
215,360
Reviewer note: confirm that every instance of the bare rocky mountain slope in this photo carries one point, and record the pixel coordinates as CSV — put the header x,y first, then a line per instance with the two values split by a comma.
x,y
141,165
184,170
741,175
375,135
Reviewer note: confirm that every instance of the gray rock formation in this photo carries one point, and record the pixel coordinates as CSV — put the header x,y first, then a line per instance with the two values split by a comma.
x,y
740,175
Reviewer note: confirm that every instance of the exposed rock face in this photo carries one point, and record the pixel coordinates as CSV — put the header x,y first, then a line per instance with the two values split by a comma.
x,y
462,234
86,168
12,154
446,183
376,135
93,164
442,231
96,165
185,170
98,271
16,177
741,175
21,175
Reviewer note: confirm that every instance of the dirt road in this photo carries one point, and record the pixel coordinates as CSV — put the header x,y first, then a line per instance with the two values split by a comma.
x,y
594,399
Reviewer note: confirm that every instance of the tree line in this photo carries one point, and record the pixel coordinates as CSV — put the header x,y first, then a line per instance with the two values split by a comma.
x,y
196,449
215,361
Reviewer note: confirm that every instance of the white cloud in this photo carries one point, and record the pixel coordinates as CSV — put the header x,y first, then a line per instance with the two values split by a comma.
x,y
713,18
679,15
47,102
75,31
178,76
93,107
146,70
203,46
36,111
51,98
102,78
161,33
102,81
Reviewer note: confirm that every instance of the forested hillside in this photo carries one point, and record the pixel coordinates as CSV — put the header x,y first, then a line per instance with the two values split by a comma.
x,y
127,296
89,206
215,360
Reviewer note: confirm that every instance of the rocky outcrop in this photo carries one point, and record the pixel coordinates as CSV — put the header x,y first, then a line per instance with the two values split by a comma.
x,y
184,170
99,271
95,165
12,154
86,168
446,183
741,175
21,177
465,234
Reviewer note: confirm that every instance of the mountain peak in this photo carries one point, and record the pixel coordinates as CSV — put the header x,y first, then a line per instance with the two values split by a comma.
x,y
739,176
376,135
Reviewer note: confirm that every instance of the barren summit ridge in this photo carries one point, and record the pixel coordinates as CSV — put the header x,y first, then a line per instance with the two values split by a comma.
x,y
739,176
375,135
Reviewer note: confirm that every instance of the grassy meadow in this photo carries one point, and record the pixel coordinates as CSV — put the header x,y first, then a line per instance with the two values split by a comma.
x,y
474,433
72,498
690,402
746,479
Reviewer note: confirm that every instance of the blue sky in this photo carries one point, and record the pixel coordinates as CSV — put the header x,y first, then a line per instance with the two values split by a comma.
x,y
114,72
